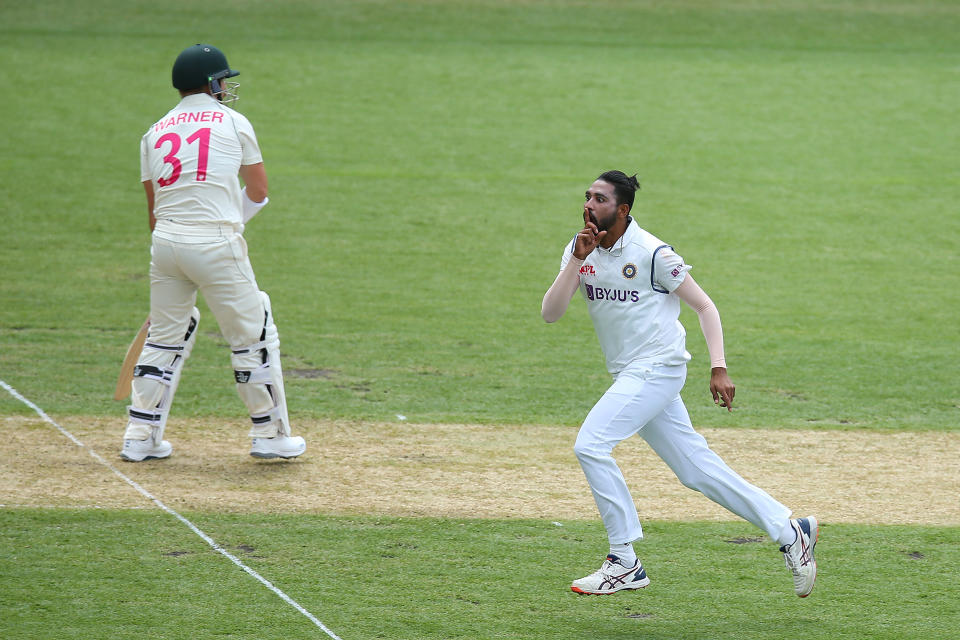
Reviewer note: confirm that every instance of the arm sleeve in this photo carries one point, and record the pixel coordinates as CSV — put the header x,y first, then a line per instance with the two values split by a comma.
x,y
145,173
248,140
557,297
668,270
249,207
691,293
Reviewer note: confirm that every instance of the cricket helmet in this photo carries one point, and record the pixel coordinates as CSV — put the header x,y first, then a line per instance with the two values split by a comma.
x,y
204,65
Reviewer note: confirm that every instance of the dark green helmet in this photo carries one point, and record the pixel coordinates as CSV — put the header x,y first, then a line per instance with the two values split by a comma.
x,y
199,66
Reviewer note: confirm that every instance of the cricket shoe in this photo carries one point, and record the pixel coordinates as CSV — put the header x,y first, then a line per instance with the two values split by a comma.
x,y
140,450
278,447
799,555
612,577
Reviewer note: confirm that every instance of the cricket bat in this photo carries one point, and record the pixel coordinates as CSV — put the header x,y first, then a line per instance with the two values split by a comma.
x,y
130,361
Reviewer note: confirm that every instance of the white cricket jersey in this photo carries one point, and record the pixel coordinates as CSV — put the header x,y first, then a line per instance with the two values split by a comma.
x,y
628,290
193,155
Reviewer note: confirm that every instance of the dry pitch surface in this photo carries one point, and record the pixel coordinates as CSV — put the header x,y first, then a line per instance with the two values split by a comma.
x,y
470,471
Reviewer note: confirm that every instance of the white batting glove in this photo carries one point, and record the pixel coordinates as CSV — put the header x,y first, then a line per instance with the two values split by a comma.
x,y
250,208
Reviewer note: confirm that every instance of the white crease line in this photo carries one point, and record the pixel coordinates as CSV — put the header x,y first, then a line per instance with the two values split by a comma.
x,y
216,547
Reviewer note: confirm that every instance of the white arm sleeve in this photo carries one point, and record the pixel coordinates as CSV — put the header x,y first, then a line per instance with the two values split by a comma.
x,y
557,297
250,208
691,293
668,269
144,161
250,148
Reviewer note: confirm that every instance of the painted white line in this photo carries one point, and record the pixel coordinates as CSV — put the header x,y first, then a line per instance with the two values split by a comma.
x,y
216,547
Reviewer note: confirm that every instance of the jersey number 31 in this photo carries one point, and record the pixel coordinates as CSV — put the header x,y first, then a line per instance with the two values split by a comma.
x,y
200,135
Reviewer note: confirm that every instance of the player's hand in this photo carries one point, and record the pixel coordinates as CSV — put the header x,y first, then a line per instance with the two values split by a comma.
x,y
722,388
588,238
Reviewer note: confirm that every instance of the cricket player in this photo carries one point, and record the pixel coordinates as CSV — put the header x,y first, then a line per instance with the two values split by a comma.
x,y
190,160
633,284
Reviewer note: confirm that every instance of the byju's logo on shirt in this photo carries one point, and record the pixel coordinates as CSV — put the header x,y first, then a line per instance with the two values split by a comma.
x,y
613,295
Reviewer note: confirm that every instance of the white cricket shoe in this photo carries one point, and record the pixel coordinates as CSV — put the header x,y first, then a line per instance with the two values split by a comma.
x,y
278,447
799,555
612,577
140,450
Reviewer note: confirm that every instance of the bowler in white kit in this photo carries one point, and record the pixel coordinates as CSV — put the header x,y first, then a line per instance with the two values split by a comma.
x,y
633,285
190,160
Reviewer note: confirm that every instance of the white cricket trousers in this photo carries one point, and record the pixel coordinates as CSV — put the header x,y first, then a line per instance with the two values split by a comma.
x,y
646,399
211,259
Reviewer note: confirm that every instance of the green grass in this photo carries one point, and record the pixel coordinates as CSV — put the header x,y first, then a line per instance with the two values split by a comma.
x,y
427,161
366,577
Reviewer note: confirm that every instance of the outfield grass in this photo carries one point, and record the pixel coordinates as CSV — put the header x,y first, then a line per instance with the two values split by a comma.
x,y
423,578
427,160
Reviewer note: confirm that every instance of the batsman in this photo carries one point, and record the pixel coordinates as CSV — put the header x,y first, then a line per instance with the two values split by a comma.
x,y
190,162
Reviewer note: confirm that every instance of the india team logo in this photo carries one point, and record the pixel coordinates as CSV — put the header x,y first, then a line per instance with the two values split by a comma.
x,y
629,270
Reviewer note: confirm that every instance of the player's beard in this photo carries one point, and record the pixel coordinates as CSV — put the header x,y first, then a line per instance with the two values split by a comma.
x,y
604,224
